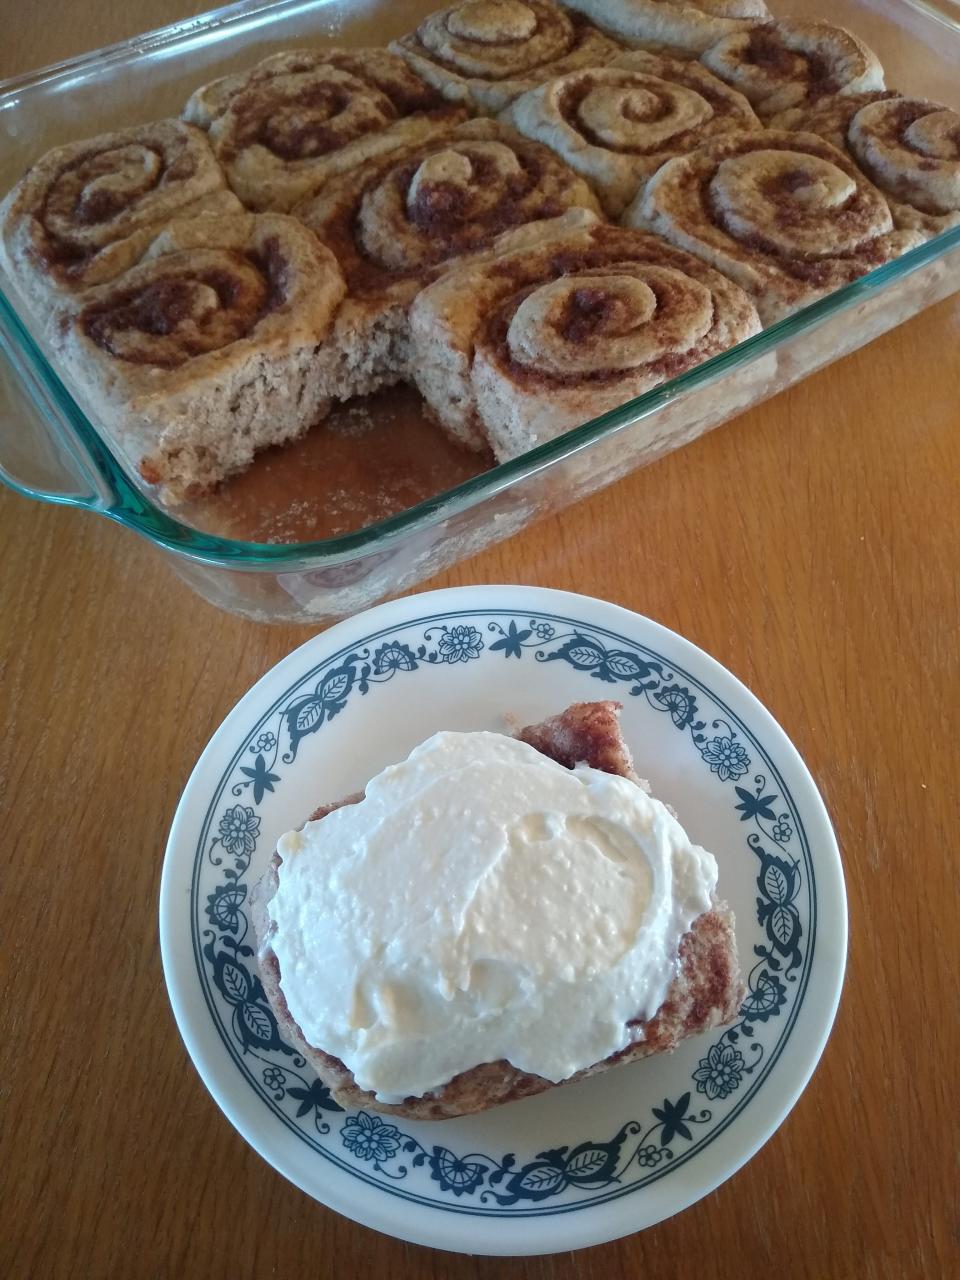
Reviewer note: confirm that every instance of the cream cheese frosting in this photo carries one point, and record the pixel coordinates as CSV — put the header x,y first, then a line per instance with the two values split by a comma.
x,y
483,902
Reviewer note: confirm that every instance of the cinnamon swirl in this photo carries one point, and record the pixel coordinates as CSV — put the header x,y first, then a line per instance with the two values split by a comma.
x,y
527,343
397,221
207,349
617,124
283,128
86,211
786,215
687,26
909,147
485,53
790,64
376,67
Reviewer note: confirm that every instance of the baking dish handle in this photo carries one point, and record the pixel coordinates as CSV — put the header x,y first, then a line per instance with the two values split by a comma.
x,y
42,454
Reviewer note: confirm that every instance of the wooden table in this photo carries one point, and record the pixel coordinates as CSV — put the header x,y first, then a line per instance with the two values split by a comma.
x,y
812,546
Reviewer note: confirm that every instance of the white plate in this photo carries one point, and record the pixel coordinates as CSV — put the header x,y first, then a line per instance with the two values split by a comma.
x,y
577,1165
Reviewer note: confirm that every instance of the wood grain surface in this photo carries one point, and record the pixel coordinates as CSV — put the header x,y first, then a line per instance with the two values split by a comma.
x,y
812,546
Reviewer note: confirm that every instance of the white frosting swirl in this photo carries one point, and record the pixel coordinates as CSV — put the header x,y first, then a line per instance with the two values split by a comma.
x,y
483,903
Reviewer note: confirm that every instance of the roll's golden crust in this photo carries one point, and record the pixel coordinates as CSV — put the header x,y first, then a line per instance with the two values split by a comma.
x,y
909,147
282,129
706,992
86,211
400,218
688,26
207,348
485,53
789,64
786,215
529,343
377,68
616,125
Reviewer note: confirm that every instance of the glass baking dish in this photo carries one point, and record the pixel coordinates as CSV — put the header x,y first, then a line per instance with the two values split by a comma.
x,y
49,449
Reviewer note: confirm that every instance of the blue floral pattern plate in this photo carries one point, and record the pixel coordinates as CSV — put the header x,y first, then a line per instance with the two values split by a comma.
x,y
577,1165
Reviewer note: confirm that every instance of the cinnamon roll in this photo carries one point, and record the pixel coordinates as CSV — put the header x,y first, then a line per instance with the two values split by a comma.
x,y
790,64
687,26
786,215
532,341
283,128
207,349
909,147
376,67
617,124
485,53
397,221
86,211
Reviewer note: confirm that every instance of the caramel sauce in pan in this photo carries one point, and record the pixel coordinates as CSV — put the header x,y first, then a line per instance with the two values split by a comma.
x,y
369,459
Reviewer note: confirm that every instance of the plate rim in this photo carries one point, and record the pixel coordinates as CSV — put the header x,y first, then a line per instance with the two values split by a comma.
x,y
472,1233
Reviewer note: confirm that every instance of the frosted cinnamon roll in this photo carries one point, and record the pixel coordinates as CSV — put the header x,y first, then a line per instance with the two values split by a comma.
x,y
909,147
485,53
786,215
283,128
617,124
85,211
206,350
528,343
398,220
687,26
790,64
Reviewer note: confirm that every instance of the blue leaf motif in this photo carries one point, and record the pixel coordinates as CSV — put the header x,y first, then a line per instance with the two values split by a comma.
x,y
257,1022
306,716
580,652
337,685
585,656
776,883
232,979
782,925
589,1163
538,1180
625,666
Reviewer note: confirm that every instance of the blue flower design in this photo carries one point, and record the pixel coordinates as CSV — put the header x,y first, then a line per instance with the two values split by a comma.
x,y
648,1156
679,702
316,1098
239,828
783,830
261,777
394,656
223,906
754,806
460,644
369,1138
726,758
765,999
543,631
673,1117
265,742
511,640
720,1072
274,1078
454,1174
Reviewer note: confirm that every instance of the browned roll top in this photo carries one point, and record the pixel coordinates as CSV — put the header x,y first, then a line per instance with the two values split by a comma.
x,y
633,113
403,214
628,303
193,302
84,197
305,117
498,39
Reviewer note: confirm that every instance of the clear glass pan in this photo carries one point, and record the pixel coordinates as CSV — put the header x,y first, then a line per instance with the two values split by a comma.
x,y
49,449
